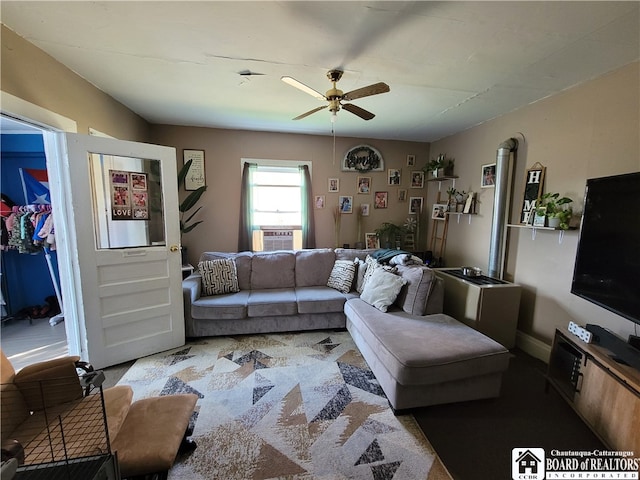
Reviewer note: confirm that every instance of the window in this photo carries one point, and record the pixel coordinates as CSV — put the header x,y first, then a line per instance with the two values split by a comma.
x,y
276,194
277,197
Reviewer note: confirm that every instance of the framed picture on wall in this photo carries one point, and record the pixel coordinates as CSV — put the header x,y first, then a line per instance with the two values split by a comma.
x,y
346,204
364,184
319,201
439,211
533,186
380,200
371,240
364,209
334,185
393,177
411,160
402,195
488,175
195,176
415,205
417,179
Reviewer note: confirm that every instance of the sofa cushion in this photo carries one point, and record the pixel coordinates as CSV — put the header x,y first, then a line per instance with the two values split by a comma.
x,y
152,433
229,306
46,384
414,296
341,276
117,401
218,276
243,265
382,289
272,301
319,300
13,410
313,266
273,270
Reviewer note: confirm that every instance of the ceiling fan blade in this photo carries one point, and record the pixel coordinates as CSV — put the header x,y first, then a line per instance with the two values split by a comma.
x,y
310,112
361,112
301,86
374,89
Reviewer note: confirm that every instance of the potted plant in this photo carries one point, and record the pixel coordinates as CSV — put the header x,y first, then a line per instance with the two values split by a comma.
x,y
439,167
390,234
556,209
186,205
434,167
451,192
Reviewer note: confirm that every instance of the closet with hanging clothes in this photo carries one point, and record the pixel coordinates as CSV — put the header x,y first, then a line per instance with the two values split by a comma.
x,y
29,265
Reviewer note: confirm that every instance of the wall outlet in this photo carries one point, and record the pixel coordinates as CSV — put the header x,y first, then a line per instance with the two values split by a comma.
x,y
585,335
573,328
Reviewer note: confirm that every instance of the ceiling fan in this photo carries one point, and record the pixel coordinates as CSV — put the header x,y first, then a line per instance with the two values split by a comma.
x,y
335,97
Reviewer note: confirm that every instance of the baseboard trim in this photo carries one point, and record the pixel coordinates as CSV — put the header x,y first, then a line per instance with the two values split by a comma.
x,y
534,347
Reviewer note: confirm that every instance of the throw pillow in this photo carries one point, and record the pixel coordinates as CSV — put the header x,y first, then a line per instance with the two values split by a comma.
x,y
341,276
370,265
219,276
414,296
361,269
382,289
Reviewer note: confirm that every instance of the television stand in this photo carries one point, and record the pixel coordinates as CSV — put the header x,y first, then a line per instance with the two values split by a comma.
x,y
603,392
621,351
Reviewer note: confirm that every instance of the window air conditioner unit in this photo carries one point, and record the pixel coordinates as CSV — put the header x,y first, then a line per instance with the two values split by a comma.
x,y
277,240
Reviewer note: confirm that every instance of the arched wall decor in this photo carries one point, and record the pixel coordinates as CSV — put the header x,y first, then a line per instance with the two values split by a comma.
x,y
363,158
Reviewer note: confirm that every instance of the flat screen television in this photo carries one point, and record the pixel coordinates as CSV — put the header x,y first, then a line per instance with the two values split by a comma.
x,y
607,267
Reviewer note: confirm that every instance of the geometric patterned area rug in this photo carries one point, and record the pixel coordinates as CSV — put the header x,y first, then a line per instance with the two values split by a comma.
x,y
286,406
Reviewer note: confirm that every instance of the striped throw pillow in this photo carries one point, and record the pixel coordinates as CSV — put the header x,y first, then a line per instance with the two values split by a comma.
x,y
342,275
219,276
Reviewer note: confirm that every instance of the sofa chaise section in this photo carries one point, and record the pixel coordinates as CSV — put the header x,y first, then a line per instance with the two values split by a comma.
x,y
426,360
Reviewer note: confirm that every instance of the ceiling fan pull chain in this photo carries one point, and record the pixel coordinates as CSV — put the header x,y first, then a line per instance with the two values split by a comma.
x,y
334,142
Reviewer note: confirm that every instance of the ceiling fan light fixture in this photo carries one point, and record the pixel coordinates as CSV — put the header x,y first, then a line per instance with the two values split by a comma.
x,y
335,96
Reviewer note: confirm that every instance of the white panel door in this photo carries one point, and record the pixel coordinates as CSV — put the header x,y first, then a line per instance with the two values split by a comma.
x,y
116,213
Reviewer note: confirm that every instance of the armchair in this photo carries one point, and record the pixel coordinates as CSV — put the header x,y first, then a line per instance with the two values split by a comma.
x,y
55,415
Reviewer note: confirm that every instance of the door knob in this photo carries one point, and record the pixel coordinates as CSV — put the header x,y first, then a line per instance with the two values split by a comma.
x,y
174,248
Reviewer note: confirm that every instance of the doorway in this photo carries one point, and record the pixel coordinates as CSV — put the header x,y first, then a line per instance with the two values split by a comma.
x,y
32,320
125,300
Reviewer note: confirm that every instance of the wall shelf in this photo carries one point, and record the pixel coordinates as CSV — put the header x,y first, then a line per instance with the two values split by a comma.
x,y
535,229
443,179
459,214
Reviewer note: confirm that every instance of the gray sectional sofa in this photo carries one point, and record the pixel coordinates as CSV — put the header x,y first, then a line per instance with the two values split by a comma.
x,y
279,292
419,355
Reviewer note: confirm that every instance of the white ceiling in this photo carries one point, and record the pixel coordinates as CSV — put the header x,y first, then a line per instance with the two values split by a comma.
x,y
450,65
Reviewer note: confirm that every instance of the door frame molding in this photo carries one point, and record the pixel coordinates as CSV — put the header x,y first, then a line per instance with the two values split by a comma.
x,y
51,124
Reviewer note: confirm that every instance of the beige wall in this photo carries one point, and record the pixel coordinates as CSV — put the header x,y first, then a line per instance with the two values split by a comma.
x,y
589,131
225,148
32,75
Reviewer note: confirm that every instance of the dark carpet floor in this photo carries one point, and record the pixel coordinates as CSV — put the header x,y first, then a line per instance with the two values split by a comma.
x,y
475,439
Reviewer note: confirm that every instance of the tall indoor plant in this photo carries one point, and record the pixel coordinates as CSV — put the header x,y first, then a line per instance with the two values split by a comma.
x,y
189,202
187,205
